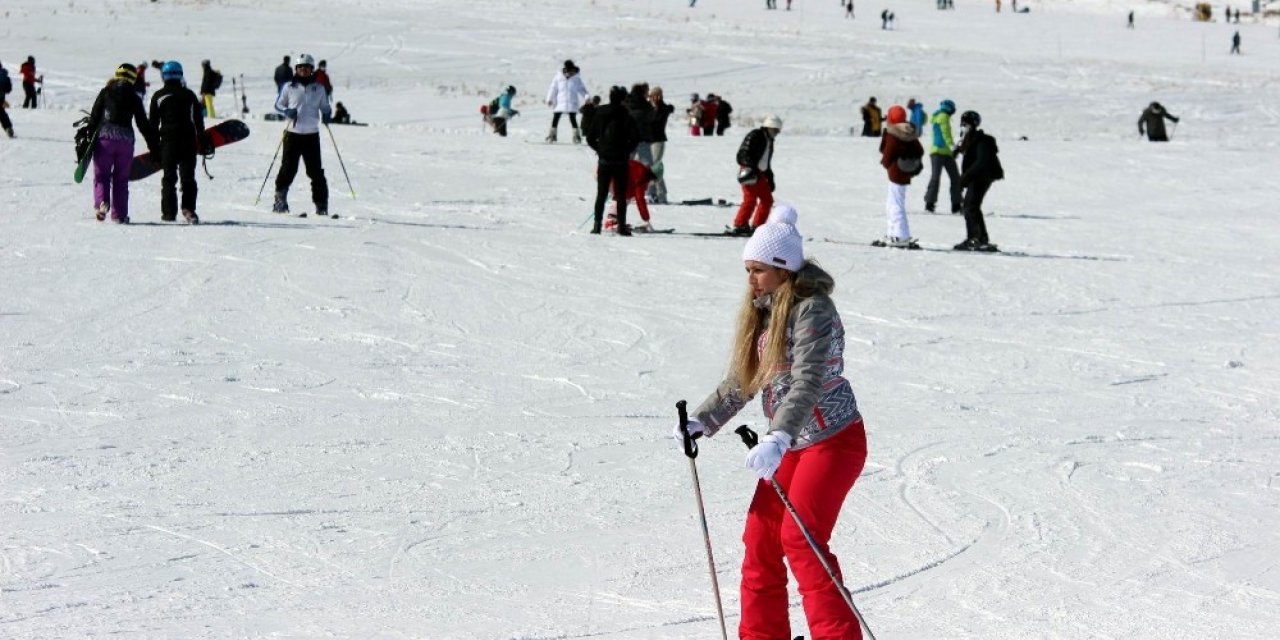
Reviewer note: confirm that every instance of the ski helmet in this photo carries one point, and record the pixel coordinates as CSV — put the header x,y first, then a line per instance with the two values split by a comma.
x,y
970,118
897,115
772,121
127,72
172,70
947,106
305,60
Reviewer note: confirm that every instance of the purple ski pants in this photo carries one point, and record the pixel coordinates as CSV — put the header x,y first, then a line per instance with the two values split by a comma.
x,y
112,160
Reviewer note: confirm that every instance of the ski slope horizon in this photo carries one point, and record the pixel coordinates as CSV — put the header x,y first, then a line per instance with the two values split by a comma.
x,y
447,413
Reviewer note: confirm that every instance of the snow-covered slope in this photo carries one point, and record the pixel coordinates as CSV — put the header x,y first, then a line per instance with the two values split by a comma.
x,y
445,414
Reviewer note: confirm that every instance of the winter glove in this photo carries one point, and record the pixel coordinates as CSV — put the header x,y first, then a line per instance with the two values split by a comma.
x,y
765,457
325,119
696,430
291,114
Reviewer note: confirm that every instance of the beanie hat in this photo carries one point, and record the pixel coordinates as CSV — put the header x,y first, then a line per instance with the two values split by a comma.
x,y
776,242
127,72
897,115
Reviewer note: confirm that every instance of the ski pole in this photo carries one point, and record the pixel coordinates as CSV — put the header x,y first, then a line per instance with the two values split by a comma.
x,y
691,451
340,162
273,165
750,439
1173,130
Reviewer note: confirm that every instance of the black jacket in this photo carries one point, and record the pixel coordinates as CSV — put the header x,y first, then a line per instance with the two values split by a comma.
x,y
660,115
176,113
1152,123
981,163
613,134
723,112
754,145
643,114
209,81
118,104
284,74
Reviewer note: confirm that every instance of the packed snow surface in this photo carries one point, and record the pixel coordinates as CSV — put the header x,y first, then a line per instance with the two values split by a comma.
x,y
446,414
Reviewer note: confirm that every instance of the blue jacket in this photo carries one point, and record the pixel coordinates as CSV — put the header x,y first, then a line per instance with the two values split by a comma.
x,y
918,117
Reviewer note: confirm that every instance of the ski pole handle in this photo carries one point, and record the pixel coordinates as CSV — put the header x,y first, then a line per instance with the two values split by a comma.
x,y
748,436
690,447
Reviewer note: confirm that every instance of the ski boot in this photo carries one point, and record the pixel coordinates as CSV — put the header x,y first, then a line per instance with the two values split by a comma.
x,y
322,209
190,216
101,212
742,231
8,131
551,136
968,244
577,135
281,204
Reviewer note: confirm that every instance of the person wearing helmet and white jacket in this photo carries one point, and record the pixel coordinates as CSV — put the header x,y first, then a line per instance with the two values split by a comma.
x,y
566,95
306,104
755,174
789,348
176,116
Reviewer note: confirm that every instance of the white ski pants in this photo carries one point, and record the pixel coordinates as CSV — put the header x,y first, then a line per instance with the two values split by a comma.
x,y
895,208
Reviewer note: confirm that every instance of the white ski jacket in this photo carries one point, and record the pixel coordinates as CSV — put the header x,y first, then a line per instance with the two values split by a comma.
x,y
566,95
310,100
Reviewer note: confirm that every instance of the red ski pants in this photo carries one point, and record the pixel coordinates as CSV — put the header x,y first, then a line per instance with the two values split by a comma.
x,y
816,481
756,197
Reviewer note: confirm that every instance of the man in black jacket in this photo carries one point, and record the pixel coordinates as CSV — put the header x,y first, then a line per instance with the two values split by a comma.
x,y
176,116
980,168
283,75
1151,122
614,136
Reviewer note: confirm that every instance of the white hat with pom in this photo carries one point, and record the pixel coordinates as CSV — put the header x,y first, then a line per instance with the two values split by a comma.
x,y
776,242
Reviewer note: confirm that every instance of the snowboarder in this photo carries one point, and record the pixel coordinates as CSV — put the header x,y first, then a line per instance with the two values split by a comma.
x,y
723,111
942,158
210,82
871,119
322,77
657,191
306,105
981,167
176,117
500,111
788,348
565,95
29,82
283,75
116,109
6,85
1151,122
755,174
613,136
694,111
902,157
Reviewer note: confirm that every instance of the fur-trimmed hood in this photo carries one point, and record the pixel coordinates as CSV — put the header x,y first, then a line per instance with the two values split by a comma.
x,y
904,131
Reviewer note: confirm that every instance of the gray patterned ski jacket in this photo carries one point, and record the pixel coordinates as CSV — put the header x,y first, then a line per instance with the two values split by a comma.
x,y
808,397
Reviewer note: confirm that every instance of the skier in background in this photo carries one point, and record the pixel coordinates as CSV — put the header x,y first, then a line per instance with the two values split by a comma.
x,y
710,111
283,75
322,77
916,115
694,112
871,119
176,117
306,105
1235,43
942,158
565,95
29,81
981,169
1130,25
500,111
723,112
1151,122
210,82
613,136
114,113
755,174
902,157
788,348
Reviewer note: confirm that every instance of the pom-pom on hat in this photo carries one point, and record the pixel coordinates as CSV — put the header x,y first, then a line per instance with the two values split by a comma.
x,y
776,242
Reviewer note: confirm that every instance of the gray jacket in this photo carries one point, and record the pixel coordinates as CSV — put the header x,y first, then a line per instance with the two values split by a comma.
x,y
810,400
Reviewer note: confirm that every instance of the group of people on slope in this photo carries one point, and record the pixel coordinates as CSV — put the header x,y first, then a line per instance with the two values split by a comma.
x,y
629,137
709,116
902,156
174,132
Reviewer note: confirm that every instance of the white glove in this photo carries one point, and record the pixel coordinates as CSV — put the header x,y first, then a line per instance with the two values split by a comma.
x,y
765,457
696,430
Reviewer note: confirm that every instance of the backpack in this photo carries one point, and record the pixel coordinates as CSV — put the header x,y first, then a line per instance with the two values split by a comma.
x,y
493,107
215,79
911,165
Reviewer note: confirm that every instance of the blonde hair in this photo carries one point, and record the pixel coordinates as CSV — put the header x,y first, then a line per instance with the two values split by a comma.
x,y
752,371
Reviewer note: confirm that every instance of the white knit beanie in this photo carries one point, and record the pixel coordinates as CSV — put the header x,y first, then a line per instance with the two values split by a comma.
x,y
776,242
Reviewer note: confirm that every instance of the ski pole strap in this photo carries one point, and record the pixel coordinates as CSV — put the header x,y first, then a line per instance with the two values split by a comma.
x,y
748,436
690,447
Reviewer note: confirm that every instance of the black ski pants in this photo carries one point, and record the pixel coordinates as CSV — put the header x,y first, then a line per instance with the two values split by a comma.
x,y
937,164
178,161
29,95
5,122
573,119
608,172
304,146
974,225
